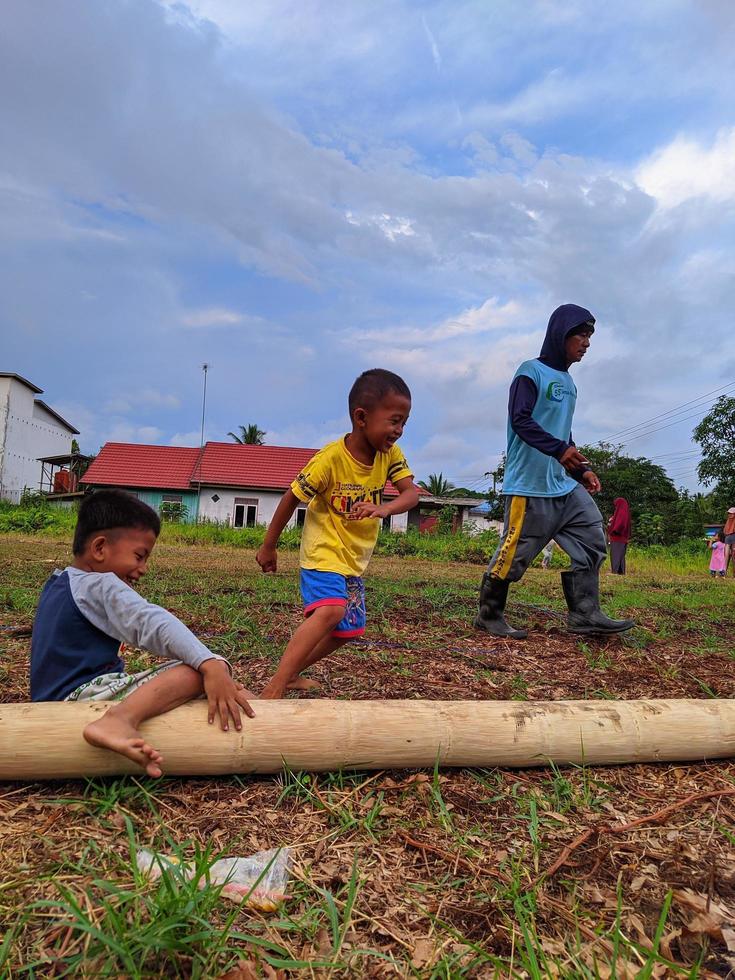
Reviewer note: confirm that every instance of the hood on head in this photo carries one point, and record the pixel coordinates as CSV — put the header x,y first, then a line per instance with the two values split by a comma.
x,y
561,323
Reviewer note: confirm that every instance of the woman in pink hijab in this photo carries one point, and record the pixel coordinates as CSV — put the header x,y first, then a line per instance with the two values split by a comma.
x,y
618,532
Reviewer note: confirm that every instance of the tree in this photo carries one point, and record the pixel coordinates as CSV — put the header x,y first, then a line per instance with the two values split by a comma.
x,y
495,496
716,435
646,486
250,435
437,485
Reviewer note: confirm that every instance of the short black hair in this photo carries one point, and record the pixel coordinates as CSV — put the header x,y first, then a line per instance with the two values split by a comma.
x,y
372,386
112,510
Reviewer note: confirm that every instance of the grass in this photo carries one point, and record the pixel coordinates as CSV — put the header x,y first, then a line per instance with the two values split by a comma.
x,y
439,874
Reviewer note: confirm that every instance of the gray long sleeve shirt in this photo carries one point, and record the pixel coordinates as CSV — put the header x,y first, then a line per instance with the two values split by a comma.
x,y
81,620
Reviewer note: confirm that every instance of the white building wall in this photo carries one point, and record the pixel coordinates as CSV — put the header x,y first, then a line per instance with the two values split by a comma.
x,y
476,523
27,432
223,510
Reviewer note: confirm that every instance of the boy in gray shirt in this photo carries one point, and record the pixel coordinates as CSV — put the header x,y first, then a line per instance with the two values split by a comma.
x,y
90,611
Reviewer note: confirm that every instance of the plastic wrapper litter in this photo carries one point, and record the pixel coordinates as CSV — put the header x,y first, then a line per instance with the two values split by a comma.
x,y
258,881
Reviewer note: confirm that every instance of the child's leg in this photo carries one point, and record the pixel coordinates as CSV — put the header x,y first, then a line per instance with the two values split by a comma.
x,y
117,729
305,641
330,644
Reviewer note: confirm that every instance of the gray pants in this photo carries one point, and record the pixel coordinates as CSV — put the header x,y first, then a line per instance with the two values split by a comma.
x,y
617,556
573,521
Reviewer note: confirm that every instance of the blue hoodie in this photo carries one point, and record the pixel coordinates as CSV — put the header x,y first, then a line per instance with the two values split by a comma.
x,y
540,411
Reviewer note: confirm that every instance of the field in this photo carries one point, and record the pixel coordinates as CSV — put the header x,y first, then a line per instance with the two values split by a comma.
x,y
582,872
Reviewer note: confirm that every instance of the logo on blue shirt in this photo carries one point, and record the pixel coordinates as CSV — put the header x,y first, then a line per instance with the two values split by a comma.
x,y
555,391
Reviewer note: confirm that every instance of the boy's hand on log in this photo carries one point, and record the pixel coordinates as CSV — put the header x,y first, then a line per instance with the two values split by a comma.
x,y
591,482
363,508
267,558
225,696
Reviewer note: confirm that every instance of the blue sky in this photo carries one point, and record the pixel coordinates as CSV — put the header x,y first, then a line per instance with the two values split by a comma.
x,y
296,191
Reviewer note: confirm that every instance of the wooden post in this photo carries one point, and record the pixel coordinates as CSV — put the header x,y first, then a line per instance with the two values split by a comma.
x,y
44,741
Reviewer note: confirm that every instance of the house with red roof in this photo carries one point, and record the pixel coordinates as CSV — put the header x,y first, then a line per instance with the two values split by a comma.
x,y
226,482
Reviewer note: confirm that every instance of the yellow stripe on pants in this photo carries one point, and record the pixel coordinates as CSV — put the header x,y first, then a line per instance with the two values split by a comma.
x,y
510,542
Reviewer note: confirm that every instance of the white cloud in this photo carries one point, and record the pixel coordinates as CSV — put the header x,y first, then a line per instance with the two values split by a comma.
x,y
435,54
686,168
218,316
392,226
144,398
190,438
149,433
491,315
127,432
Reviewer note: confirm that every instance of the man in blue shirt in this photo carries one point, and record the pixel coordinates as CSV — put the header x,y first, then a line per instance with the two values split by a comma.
x,y
547,485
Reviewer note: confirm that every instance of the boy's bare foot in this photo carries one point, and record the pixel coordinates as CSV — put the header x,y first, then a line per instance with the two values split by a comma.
x,y
115,733
272,692
302,684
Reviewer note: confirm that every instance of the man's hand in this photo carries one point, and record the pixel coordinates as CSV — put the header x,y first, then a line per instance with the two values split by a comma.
x,y
267,558
572,460
591,482
224,695
363,508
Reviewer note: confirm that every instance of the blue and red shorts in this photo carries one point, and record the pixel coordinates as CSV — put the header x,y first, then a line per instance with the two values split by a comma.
x,y
332,589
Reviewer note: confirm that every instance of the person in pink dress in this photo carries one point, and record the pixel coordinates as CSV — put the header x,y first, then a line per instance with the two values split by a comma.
x,y
718,561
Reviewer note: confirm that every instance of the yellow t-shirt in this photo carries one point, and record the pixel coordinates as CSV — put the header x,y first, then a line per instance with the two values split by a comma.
x,y
331,483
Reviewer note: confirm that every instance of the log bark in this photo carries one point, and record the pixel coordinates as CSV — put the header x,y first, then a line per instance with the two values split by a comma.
x,y
44,740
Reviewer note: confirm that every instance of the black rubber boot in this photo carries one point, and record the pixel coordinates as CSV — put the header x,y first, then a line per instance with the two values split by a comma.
x,y
582,592
493,596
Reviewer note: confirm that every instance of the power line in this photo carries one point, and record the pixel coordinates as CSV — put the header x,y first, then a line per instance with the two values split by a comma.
x,y
671,411
660,428
674,456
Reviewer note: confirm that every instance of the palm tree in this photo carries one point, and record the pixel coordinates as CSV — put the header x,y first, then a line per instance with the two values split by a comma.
x,y
250,435
437,485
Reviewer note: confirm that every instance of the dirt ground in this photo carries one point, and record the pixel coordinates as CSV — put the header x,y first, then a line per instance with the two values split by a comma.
x,y
621,871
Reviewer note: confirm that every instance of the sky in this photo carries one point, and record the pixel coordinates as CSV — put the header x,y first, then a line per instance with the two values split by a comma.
x,y
293,191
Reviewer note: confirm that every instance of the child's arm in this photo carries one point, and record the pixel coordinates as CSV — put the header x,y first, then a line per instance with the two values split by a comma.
x,y
408,497
266,555
116,609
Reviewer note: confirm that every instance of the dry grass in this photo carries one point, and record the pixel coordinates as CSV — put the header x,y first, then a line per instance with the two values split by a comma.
x,y
623,871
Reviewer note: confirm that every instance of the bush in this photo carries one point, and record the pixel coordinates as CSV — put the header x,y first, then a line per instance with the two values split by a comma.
x,y
438,546
33,514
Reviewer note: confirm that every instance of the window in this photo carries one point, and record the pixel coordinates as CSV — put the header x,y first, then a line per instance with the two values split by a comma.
x,y
300,516
172,507
215,497
386,523
246,512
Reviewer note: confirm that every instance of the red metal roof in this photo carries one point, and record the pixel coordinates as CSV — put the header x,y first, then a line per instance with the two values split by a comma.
x,y
264,467
223,464
125,464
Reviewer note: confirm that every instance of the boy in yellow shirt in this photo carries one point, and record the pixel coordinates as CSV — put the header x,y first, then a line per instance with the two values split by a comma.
x,y
343,487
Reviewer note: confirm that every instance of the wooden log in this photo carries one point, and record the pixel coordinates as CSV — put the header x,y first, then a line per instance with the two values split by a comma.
x,y
44,741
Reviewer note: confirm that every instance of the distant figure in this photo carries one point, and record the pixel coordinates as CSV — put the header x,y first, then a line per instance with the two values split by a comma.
x,y
729,532
718,561
618,531
547,554
548,486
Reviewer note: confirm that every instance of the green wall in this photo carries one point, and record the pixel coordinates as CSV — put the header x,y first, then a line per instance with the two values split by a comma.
x,y
154,498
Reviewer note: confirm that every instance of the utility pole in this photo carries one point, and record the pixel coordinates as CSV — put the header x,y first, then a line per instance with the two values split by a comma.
x,y
205,368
